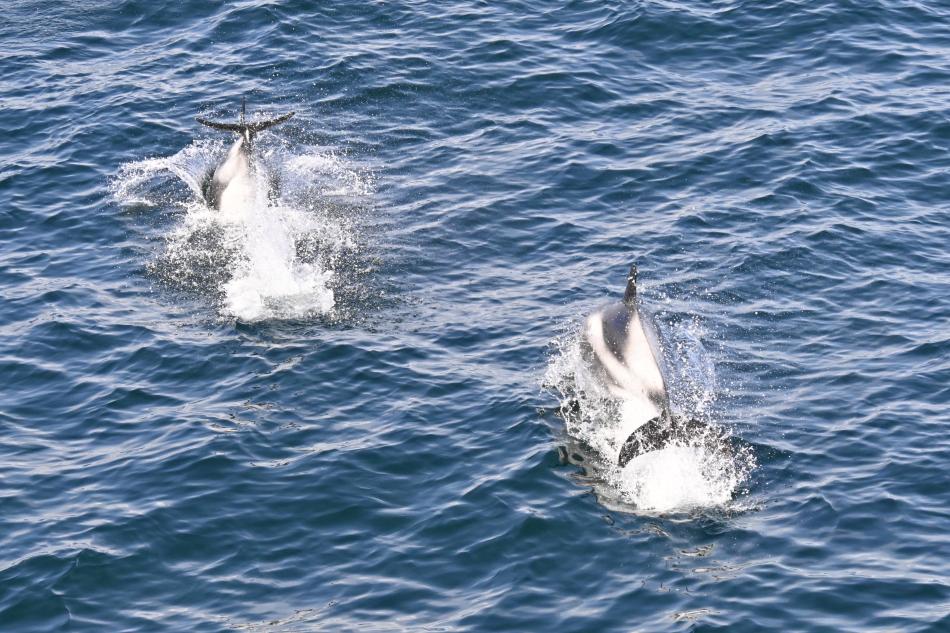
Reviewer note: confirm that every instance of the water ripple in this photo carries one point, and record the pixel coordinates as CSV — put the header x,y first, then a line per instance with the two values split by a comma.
x,y
473,179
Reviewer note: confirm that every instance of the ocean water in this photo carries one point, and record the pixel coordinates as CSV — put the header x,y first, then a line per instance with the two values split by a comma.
x,y
349,410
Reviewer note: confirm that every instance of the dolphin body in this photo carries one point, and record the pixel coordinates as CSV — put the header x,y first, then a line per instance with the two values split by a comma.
x,y
231,188
621,349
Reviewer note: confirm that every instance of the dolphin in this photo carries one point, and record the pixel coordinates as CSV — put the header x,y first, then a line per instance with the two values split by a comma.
x,y
622,349
231,187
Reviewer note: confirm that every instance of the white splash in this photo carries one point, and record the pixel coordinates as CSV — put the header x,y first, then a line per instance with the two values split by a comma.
x,y
688,474
276,259
679,477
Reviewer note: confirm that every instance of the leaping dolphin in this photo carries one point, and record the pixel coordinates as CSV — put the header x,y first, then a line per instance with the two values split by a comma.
x,y
231,188
622,351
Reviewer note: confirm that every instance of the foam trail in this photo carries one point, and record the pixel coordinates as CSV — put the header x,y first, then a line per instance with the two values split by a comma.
x,y
272,280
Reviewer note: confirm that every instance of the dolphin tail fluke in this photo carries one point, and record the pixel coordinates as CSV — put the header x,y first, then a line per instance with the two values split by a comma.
x,y
247,130
260,126
229,127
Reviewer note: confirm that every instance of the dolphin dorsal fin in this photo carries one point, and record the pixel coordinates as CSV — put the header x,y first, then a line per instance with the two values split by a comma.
x,y
630,294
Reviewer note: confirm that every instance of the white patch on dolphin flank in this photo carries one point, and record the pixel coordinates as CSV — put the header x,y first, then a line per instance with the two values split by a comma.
x,y
632,379
239,186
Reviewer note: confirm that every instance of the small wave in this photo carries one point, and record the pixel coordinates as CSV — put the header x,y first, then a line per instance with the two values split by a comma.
x,y
280,259
692,472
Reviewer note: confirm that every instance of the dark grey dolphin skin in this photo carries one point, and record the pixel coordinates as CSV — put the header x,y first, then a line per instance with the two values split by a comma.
x,y
660,431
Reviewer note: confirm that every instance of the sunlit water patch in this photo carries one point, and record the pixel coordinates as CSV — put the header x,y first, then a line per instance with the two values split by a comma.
x,y
284,258
694,471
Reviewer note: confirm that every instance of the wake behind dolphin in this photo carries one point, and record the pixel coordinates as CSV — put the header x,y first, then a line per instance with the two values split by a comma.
x,y
615,401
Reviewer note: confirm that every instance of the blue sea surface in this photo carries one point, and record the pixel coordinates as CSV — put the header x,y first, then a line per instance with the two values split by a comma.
x,y
346,413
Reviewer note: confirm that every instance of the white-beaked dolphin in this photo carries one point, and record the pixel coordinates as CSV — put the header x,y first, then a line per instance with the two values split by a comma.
x,y
231,188
622,349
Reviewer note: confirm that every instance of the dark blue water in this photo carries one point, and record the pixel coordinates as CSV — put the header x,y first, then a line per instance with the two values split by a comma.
x,y
343,414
